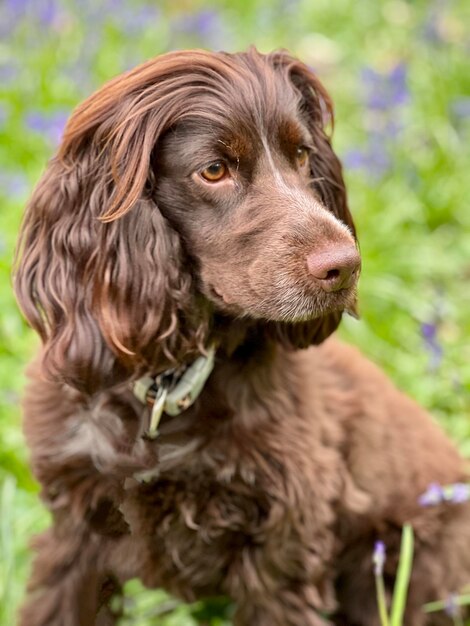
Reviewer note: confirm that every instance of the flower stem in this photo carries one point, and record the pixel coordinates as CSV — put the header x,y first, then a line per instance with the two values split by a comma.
x,y
381,600
400,591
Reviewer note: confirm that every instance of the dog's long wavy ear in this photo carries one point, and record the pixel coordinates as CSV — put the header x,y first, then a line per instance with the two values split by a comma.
x,y
316,108
99,273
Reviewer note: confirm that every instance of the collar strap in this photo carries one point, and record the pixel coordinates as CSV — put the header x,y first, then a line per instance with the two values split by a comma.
x,y
173,391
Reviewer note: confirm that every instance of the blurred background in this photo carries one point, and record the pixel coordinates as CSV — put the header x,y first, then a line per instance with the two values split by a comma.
x,y
399,74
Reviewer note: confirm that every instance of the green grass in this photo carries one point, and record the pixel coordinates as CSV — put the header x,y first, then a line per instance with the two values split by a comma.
x,y
411,208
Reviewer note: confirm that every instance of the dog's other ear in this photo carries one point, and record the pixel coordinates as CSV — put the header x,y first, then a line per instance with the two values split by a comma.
x,y
316,109
99,272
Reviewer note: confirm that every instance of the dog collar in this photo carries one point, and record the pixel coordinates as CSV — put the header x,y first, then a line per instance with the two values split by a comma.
x,y
173,391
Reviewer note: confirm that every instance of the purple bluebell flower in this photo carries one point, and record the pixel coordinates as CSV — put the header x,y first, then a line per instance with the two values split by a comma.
x,y
429,332
13,184
8,72
398,81
386,91
15,11
372,81
203,22
384,96
456,493
17,8
451,607
354,159
392,127
432,495
49,125
47,12
133,19
207,25
378,558
373,159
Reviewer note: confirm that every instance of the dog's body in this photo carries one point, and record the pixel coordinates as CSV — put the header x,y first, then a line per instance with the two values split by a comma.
x,y
232,231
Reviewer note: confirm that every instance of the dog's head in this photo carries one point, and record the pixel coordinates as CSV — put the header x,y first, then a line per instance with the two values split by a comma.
x,y
199,185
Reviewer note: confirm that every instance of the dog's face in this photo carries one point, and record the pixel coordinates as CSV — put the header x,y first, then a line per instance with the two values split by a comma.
x,y
243,188
197,184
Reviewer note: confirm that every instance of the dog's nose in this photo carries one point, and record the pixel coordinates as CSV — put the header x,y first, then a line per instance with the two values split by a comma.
x,y
335,269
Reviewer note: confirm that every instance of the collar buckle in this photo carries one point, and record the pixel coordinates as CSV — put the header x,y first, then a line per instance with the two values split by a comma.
x,y
156,413
173,391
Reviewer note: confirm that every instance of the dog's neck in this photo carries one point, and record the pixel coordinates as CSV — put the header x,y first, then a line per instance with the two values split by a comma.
x,y
245,352
237,397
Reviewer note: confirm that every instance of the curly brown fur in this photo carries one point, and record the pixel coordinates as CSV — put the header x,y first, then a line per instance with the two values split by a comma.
x,y
274,485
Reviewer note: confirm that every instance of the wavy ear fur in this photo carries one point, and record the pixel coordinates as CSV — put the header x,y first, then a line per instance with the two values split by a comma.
x,y
327,179
99,272
317,108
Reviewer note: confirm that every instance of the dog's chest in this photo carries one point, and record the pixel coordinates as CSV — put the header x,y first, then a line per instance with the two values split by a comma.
x,y
228,504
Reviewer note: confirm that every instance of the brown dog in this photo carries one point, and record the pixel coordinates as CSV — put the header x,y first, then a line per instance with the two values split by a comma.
x,y
195,207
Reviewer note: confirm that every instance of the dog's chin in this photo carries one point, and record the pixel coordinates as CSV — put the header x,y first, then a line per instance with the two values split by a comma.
x,y
309,311
292,307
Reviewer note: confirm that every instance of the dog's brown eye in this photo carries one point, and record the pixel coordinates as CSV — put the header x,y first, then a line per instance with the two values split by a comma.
x,y
302,156
214,172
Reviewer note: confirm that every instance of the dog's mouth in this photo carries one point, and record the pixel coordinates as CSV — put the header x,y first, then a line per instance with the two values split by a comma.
x,y
315,306
289,305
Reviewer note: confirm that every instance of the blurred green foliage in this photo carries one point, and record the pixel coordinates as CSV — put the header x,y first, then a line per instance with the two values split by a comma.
x,y
398,73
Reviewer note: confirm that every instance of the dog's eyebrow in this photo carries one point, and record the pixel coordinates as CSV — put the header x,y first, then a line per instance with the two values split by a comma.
x,y
237,144
231,150
291,133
